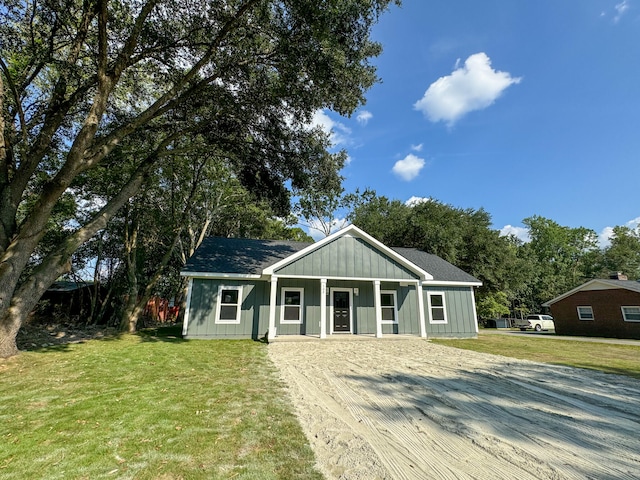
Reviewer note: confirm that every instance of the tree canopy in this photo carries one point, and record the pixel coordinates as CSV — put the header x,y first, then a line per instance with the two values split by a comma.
x,y
86,84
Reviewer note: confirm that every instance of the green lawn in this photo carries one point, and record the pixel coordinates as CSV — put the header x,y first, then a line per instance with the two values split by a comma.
x,y
609,358
148,406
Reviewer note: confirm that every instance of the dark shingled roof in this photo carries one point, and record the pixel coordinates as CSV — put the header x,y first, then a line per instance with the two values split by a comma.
x,y
240,255
251,257
627,284
436,266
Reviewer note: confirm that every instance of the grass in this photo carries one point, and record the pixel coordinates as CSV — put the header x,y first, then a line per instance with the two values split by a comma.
x,y
605,357
149,406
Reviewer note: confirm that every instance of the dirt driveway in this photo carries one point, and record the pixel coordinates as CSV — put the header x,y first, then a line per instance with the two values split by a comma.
x,y
409,409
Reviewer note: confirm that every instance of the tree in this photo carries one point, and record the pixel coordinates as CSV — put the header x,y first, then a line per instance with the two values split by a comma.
x,y
561,257
461,236
79,78
623,254
493,305
326,207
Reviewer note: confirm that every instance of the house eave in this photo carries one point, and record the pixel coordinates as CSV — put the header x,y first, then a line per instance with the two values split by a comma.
x,y
450,283
220,275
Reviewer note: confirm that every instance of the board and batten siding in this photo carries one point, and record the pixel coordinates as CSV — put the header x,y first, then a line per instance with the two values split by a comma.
x,y
311,312
202,310
347,257
461,315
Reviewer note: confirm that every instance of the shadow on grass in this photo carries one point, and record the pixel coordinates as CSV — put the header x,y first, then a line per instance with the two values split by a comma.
x,y
62,339
170,334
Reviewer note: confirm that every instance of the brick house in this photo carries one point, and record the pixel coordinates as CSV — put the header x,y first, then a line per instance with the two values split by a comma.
x,y
599,308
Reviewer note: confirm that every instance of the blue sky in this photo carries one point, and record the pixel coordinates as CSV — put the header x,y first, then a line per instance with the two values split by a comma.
x,y
522,108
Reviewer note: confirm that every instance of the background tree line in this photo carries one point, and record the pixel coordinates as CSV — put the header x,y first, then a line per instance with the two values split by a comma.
x,y
517,276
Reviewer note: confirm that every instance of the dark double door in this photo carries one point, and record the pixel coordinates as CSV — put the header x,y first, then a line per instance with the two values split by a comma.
x,y
341,312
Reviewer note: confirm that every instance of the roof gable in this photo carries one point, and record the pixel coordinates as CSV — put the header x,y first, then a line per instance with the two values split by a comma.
x,y
598,284
352,231
348,256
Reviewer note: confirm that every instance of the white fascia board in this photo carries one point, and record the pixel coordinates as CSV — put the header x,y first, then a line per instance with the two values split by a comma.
x,y
355,279
219,275
450,283
354,231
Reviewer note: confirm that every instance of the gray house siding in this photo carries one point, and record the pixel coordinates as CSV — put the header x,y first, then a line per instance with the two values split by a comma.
x,y
311,313
461,317
202,310
255,309
347,257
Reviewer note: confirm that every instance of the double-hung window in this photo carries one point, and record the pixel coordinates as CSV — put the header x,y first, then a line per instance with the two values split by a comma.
x,y
631,314
389,305
228,304
292,305
437,307
585,313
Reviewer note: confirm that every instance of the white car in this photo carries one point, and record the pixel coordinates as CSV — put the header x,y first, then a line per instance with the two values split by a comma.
x,y
537,323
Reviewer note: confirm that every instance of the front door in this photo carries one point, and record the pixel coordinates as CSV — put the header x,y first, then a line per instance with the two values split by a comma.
x,y
341,312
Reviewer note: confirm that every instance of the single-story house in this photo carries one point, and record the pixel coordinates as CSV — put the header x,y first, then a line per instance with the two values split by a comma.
x,y
599,308
346,283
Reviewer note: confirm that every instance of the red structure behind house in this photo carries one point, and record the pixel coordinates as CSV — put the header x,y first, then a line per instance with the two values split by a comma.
x,y
161,310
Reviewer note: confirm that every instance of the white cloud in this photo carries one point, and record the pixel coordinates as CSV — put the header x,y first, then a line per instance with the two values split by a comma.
x,y
474,86
409,167
416,148
338,132
621,9
519,232
604,237
413,201
363,117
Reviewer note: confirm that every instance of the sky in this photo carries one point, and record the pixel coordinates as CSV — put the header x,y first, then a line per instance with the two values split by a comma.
x,y
520,108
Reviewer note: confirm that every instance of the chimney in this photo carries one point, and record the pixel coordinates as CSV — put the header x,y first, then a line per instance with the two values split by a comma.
x,y
618,276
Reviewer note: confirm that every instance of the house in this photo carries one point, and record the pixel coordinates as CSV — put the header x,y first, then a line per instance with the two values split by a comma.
x,y
599,308
347,283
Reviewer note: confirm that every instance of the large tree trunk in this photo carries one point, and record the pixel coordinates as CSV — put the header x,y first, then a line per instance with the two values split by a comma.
x,y
17,303
9,328
128,320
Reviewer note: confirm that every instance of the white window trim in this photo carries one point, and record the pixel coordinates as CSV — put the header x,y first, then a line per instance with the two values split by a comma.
x,y
444,308
593,317
395,306
282,305
219,304
624,315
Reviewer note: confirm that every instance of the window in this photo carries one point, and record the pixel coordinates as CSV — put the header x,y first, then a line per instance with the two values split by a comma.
x,y
631,314
388,302
437,307
292,305
585,313
228,305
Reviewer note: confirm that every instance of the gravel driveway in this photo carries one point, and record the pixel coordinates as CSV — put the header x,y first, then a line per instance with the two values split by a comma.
x,y
409,409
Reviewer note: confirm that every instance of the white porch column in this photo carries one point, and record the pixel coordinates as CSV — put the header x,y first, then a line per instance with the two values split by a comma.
x,y
421,316
323,308
272,308
185,321
376,295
